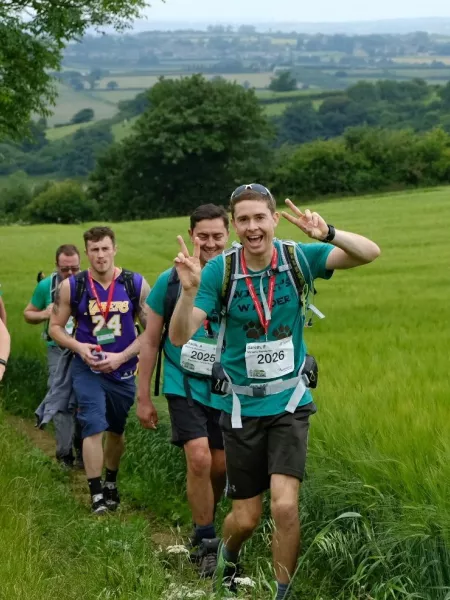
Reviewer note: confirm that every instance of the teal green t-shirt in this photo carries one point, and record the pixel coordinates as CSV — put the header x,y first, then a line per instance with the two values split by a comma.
x,y
42,297
243,324
173,373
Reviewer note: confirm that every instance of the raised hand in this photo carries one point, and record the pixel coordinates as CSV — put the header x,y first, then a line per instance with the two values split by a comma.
x,y
188,267
309,222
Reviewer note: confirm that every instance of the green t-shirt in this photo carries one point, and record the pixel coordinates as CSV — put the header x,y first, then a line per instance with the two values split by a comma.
x,y
243,324
42,297
173,373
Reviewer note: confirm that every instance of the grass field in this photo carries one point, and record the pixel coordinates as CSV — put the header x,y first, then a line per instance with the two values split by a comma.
x,y
379,444
69,102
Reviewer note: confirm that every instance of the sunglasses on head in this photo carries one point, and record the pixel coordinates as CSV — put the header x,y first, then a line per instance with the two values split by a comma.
x,y
69,269
255,187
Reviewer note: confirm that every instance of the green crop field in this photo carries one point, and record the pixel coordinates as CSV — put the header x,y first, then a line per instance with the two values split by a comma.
x,y
379,446
274,110
70,102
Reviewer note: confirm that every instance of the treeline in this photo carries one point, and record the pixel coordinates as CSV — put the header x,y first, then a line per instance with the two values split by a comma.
x,y
388,104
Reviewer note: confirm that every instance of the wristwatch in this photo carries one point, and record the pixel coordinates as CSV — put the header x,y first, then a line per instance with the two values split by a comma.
x,y
3,362
330,235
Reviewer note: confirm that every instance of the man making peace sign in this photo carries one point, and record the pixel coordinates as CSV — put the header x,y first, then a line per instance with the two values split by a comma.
x,y
266,400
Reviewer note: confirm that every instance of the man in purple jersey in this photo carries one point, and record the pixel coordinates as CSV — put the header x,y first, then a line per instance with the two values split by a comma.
x,y
105,301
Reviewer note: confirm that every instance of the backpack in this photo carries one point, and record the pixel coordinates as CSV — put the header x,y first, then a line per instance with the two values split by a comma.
x,y
53,287
170,301
126,277
292,267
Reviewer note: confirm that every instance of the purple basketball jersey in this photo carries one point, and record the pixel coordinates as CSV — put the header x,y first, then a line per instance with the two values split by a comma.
x,y
89,319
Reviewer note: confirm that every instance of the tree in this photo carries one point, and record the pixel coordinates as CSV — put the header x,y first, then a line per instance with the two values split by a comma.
x,y
195,141
112,85
32,37
285,82
64,202
83,116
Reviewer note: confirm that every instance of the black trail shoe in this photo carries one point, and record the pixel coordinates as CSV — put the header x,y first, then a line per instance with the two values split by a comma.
x,y
208,557
111,496
99,505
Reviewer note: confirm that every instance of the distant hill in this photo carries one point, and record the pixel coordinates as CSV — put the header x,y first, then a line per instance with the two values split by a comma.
x,y
429,24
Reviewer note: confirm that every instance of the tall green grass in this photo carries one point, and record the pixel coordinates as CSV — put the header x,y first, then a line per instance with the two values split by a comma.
x,y
379,445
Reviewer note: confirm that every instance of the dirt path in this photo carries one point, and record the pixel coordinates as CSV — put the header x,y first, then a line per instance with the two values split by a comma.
x,y
45,441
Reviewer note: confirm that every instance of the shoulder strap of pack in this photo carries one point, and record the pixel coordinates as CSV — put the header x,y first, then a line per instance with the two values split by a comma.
x,y
170,300
80,288
53,285
231,267
127,278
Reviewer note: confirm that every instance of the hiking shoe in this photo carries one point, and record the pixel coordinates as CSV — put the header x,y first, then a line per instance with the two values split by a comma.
x,y
79,463
99,505
225,574
65,462
208,557
193,546
111,495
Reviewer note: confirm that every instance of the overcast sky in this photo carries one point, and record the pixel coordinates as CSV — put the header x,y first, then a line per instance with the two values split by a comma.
x,y
294,10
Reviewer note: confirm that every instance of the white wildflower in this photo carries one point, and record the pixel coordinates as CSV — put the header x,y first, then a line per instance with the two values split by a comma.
x,y
245,581
177,549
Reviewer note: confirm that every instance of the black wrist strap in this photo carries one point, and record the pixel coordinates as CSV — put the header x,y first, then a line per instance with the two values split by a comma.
x,y
331,234
3,362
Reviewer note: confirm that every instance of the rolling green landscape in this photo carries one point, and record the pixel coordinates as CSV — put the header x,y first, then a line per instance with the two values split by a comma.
x,y
375,504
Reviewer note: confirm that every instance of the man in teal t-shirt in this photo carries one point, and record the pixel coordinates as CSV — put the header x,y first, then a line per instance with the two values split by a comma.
x,y
265,417
38,312
193,409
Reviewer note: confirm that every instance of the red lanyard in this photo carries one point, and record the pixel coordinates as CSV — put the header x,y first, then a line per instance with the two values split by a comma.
x,y
251,288
105,312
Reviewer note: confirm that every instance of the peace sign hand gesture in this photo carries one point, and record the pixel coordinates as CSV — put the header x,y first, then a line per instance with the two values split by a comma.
x,y
188,267
310,223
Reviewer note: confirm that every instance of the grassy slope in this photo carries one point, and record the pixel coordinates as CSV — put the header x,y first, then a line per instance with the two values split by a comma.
x,y
379,443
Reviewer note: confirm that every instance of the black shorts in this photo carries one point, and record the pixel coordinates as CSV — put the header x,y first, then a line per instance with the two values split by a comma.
x,y
263,447
192,420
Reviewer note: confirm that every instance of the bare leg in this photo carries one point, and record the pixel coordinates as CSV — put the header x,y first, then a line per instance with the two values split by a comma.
x,y
286,538
114,448
93,455
241,522
199,488
218,474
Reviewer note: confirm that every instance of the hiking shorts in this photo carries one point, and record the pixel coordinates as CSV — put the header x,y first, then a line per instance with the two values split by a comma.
x,y
265,446
192,420
103,402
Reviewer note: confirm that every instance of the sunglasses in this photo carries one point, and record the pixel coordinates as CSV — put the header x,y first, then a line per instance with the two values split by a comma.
x,y
69,269
256,187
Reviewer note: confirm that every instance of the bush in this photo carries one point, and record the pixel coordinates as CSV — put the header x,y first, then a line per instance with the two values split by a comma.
x,y
83,116
64,202
364,160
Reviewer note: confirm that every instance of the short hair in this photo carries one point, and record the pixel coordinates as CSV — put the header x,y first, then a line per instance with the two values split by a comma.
x,y
209,212
249,194
95,234
68,250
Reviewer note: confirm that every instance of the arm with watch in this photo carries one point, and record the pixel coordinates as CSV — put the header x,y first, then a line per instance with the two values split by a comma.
x,y
350,249
5,347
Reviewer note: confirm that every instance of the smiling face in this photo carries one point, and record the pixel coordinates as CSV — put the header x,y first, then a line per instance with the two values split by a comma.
x,y
213,236
255,226
101,255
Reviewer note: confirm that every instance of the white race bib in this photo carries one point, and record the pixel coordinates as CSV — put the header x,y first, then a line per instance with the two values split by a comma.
x,y
269,360
69,326
198,356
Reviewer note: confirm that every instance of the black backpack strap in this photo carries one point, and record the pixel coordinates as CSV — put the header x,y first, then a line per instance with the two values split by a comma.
x,y
127,278
53,286
170,301
230,268
80,288
295,271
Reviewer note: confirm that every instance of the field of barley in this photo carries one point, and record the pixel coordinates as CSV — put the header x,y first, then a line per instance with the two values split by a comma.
x,y
376,501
